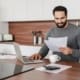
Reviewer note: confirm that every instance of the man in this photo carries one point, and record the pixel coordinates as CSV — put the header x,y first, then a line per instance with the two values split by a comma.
x,y
62,29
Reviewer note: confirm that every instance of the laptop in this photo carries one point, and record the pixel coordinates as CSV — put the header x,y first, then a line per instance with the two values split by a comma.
x,y
8,70
23,59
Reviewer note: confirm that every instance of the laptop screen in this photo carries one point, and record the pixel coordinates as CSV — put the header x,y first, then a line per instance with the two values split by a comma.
x,y
7,70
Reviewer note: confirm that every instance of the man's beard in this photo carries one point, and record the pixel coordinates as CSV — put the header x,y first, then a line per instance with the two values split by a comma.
x,y
61,26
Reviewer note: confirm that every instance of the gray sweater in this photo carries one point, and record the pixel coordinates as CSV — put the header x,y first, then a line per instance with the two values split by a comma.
x,y
73,34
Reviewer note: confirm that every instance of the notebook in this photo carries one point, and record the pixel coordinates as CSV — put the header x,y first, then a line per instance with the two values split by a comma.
x,y
23,59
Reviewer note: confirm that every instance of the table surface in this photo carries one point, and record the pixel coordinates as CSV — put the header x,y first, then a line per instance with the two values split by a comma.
x,y
69,74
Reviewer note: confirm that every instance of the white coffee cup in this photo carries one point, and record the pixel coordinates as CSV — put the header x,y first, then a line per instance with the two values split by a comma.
x,y
54,58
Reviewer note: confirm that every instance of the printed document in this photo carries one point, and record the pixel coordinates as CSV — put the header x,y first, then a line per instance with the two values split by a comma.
x,y
55,43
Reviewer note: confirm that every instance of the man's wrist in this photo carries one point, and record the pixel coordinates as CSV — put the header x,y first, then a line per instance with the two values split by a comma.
x,y
71,51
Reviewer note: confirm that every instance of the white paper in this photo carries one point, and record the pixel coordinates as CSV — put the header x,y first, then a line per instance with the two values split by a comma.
x,y
59,41
62,68
55,43
51,46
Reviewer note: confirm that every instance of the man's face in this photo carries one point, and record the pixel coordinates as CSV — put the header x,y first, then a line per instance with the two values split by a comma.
x,y
60,19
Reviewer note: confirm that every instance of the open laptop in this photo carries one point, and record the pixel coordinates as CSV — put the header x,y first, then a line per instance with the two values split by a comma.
x,y
23,59
8,70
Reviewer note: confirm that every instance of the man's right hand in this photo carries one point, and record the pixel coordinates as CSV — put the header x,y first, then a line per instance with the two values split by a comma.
x,y
35,57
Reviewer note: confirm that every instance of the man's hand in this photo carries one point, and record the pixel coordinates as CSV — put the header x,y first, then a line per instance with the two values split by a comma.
x,y
66,50
35,57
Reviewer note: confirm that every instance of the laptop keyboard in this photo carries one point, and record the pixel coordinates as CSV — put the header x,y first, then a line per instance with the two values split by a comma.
x,y
33,61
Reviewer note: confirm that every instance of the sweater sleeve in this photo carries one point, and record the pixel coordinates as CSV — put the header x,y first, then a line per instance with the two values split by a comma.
x,y
44,50
76,52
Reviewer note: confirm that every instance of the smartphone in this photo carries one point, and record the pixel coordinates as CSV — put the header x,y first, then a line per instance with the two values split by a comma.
x,y
51,67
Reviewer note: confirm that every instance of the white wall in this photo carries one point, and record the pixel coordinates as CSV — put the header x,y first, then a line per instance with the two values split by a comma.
x,y
23,10
72,6
12,10
4,27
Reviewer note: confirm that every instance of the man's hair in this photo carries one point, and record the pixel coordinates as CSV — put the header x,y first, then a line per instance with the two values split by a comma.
x,y
60,8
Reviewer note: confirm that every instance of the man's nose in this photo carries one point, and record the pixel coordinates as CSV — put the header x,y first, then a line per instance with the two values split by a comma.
x,y
59,21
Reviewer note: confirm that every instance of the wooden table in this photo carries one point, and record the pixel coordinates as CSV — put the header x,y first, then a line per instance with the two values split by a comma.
x,y
69,74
